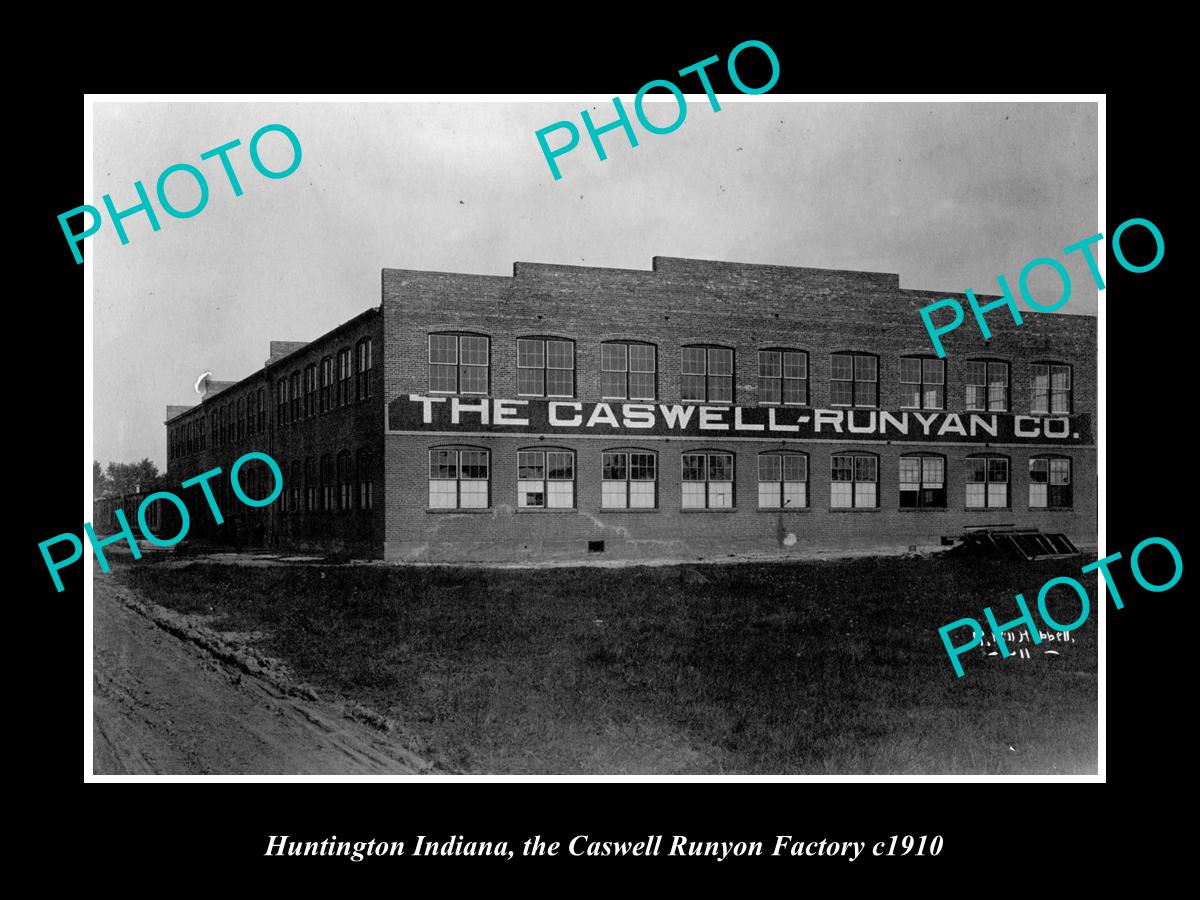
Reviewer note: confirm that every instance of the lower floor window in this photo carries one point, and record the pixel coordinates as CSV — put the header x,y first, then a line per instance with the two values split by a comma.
x,y
345,476
629,480
782,481
458,479
922,482
1050,483
312,492
366,480
987,482
545,479
854,482
707,480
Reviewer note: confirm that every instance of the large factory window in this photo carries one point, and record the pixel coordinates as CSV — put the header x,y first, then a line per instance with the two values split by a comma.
x,y
545,479
987,482
706,374
458,364
707,480
629,480
1050,482
458,479
853,379
854,482
782,481
1051,389
922,481
783,377
628,370
922,383
545,368
987,385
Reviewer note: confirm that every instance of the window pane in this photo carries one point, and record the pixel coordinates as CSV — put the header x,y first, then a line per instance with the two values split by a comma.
x,y
1060,471
1061,402
443,464
933,396
691,387
864,493
612,385
840,393
560,355
933,470
720,467
720,494
641,466
975,396
910,370
842,367
641,494
615,466
720,361
795,494
693,361
975,373
910,396
770,468
473,494
613,494
560,494
769,365
1039,470
842,468
613,358
795,467
473,379
443,378
720,388
864,368
997,495
997,469
864,393
530,465
795,390
1061,380
474,464
443,348
560,466
474,350
864,468
1037,494
531,494
693,466
641,386
443,494
976,496
530,354
841,495
769,494
769,390
693,495
976,470
529,381
641,358
935,371
795,365
910,473
559,382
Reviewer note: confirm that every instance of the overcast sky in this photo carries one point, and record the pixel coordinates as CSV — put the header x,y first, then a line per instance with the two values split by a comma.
x,y
946,195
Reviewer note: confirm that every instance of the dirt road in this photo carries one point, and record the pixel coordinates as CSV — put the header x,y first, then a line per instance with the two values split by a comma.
x,y
163,705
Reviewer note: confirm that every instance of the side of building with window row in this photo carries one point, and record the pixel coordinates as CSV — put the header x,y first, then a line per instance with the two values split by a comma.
x,y
496,364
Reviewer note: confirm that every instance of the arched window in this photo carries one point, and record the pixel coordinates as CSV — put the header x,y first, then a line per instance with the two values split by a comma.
x,y
1051,388
629,479
853,379
327,483
706,374
628,370
366,480
1050,482
922,481
363,384
345,477
344,361
854,481
783,377
294,492
310,390
707,479
327,384
545,367
783,480
987,385
241,418
459,478
295,396
458,363
922,382
987,482
281,402
545,479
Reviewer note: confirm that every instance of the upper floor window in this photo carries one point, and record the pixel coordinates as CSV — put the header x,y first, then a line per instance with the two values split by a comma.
x,y
628,370
545,368
310,390
363,388
262,410
987,482
458,479
922,383
855,481
853,379
281,401
706,374
1050,482
987,385
345,477
783,377
545,479
1051,389
458,364
629,480
241,418
295,396
782,481
250,400
707,480
922,482
343,376
327,384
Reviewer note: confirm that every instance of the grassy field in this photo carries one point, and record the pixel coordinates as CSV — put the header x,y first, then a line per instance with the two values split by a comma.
x,y
813,667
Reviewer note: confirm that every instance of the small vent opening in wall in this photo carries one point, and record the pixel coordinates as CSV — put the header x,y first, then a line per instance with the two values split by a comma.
x,y
595,546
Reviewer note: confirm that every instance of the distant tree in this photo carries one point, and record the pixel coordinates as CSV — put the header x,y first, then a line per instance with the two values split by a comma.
x,y
101,485
125,478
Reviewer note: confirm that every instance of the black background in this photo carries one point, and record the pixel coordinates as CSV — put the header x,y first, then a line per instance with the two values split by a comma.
x,y
1002,834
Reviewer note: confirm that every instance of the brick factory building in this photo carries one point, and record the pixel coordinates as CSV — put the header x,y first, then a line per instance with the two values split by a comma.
x,y
699,409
